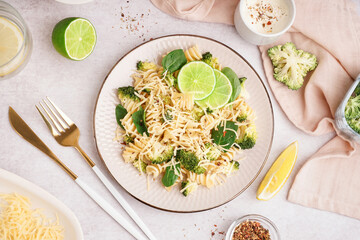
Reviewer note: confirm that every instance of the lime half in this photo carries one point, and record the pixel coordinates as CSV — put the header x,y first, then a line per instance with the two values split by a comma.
x,y
221,94
74,38
197,78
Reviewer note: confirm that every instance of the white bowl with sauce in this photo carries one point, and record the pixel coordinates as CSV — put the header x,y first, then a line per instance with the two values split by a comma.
x,y
262,22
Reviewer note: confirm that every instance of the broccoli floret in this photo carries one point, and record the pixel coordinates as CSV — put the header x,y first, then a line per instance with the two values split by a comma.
x,y
209,111
352,108
188,187
242,80
247,137
170,80
140,165
199,170
354,124
127,93
162,154
147,90
197,113
243,92
168,115
291,65
357,90
208,58
143,66
213,152
234,165
189,161
128,139
166,99
242,117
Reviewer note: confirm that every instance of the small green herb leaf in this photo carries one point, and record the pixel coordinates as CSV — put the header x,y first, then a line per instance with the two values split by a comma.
x,y
225,136
120,113
235,83
170,177
174,60
139,121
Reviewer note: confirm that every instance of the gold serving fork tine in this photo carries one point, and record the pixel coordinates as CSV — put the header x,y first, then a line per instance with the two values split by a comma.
x,y
65,132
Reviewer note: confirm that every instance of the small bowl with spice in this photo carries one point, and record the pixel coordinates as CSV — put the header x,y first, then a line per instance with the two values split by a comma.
x,y
251,227
264,21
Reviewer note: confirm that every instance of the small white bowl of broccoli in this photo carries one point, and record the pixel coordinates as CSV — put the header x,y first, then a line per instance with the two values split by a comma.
x,y
347,116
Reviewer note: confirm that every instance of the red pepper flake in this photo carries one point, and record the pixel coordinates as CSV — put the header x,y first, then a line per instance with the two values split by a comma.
x,y
224,133
249,230
212,234
215,225
268,23
263,25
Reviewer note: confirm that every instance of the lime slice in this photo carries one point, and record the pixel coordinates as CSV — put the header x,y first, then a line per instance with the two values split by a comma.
x,y
221,94
197,78
11,40
74,38
279,172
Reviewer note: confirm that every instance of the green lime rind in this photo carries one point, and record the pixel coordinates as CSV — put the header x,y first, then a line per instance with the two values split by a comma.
x,y
74,38
197,78
221,94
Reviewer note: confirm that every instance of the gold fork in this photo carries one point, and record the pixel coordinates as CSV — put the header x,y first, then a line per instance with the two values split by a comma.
x,y
67,134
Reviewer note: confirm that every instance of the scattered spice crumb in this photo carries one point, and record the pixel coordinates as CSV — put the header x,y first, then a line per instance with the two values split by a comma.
x,y
133,22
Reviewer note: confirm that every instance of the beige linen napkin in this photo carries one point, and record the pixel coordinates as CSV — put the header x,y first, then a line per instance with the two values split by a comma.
x,y
330,179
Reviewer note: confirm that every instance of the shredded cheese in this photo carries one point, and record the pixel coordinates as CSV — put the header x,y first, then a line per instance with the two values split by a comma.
x,y
19,222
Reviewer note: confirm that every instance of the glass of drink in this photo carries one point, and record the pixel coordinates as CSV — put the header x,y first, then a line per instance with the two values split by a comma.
x,y
15,41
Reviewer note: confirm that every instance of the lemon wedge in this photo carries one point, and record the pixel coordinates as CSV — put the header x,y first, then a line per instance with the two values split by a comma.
x,y
11,40
279,172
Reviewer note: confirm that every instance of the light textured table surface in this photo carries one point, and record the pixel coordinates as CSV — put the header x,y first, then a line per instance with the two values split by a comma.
x,y
75,85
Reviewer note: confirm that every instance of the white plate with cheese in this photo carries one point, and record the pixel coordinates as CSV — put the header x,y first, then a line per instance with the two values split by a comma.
x,y
40,199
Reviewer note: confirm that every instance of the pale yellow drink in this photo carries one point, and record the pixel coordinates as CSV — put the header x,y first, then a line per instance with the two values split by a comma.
x,y
15,41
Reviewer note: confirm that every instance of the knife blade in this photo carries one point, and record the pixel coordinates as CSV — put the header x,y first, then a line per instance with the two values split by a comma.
x,y
20,126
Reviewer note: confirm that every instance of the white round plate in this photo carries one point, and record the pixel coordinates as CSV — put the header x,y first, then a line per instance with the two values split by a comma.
x,y
11,183
129,178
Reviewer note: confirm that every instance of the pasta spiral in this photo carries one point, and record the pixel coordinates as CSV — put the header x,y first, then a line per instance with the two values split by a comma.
x,y
193,54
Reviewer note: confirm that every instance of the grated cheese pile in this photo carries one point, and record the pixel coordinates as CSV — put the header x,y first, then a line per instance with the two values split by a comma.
x,y
19,222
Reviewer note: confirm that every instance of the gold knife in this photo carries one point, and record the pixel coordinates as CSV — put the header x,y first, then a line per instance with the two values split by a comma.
x,y
28,134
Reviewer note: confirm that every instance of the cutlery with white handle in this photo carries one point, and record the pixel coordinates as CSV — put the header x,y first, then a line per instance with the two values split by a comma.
x,y
26,132
66,133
